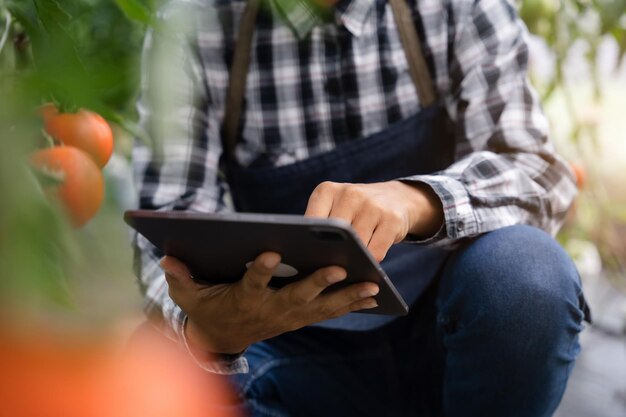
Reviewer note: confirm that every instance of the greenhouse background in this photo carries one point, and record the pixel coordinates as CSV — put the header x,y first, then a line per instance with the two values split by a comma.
x,y
86,54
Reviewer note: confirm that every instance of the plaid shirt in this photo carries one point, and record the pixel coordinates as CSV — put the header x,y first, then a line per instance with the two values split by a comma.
x,y
318,81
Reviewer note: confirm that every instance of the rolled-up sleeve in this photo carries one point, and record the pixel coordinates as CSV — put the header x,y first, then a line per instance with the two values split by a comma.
x,y
506,170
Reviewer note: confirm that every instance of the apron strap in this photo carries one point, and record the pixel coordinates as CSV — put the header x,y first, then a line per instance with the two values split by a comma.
x,y
241,60
413,52
238,76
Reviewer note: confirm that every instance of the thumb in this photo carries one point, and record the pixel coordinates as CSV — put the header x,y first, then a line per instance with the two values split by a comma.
x,y
176,273
259,274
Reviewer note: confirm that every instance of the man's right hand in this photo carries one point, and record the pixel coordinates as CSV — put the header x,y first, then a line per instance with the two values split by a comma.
x,y
227,318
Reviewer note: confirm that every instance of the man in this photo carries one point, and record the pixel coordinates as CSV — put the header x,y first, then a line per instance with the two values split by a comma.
x,y
413,121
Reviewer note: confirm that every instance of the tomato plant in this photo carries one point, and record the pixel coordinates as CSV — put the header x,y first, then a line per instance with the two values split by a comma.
x,y
84,130
76,54
76,180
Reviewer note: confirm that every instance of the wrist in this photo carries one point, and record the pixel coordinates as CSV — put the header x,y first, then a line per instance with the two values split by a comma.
x,y
426,210
223,364
204,347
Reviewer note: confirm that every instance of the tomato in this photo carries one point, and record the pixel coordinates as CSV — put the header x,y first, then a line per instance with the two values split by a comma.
x,y
85,130
580,173
47,111
81,185
79,375
57,375
155,378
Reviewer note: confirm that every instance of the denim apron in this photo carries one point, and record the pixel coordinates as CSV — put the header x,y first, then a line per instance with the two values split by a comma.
x,y
420,144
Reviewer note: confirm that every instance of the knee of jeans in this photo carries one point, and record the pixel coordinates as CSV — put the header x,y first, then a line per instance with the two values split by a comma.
x,y
518,277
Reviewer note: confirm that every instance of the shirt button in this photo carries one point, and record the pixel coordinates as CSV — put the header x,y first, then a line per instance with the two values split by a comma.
x,y
460,225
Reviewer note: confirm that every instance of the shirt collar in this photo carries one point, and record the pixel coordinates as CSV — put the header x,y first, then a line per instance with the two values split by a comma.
x,y
353,14
303,15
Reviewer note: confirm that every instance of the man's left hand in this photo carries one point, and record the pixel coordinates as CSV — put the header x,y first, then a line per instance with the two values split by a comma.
x,y
381,213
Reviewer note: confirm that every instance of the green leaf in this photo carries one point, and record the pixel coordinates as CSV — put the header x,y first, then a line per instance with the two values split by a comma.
x,y
131,127
25,15
135,10
57,63
53,19
50,10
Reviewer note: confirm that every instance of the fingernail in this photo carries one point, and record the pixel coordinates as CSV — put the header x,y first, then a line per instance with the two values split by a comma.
x,y
370,304
336,277
169,273
271,261
370,292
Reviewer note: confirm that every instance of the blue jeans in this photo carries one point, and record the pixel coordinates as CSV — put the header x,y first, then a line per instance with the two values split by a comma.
x,y
495,335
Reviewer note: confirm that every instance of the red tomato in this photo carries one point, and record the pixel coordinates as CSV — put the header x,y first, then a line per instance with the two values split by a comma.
x,y
85,130
81,188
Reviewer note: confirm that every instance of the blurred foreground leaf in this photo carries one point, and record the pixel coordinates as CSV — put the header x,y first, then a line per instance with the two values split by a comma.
x,y
135,10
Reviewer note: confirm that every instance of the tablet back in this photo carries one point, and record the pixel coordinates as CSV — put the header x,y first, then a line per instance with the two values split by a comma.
x,y
218,247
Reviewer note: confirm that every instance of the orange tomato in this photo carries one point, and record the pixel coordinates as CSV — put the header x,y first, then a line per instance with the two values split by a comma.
x,y
44,378
155,378
84,129
80,185
74,375
581,174
47,111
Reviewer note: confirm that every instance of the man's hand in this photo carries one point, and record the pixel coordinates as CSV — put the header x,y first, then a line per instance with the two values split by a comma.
x,y
227,318
381,213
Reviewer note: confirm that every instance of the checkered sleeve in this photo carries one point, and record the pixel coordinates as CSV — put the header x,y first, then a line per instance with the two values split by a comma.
x,y
506,172
178,170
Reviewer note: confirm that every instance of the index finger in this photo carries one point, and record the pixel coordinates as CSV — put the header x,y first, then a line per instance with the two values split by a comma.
x,y
321,200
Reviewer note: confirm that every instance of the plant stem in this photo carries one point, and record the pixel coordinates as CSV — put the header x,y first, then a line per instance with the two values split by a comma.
x,y
7,23
49,139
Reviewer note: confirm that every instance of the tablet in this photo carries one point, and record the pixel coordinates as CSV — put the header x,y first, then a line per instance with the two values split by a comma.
x,y
217,248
